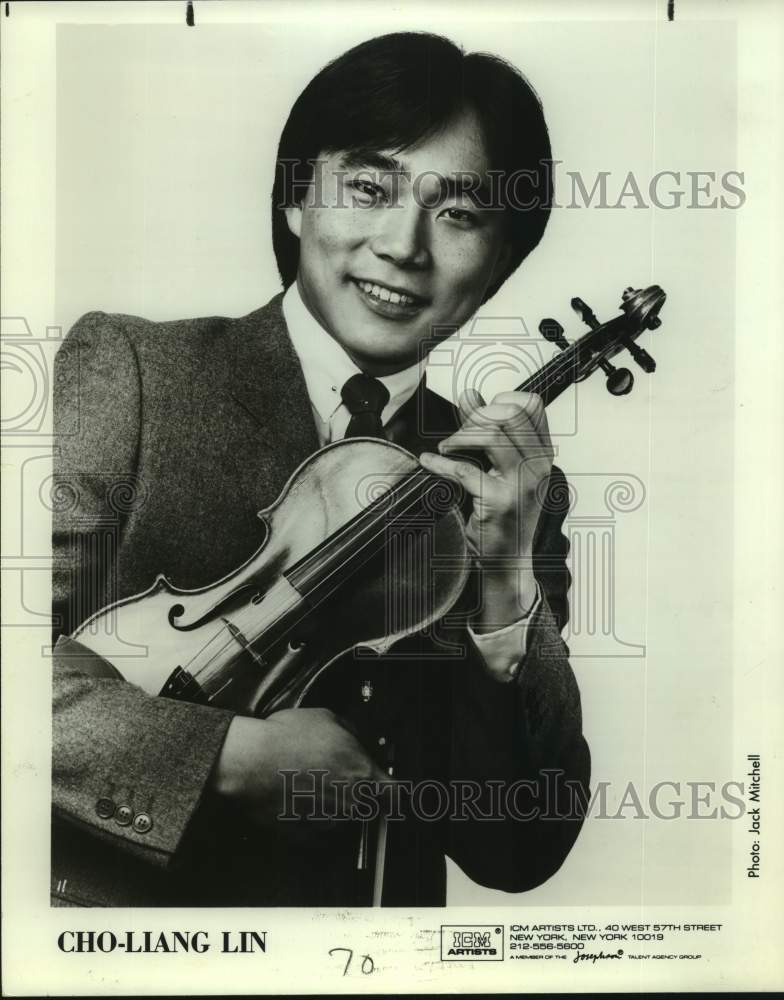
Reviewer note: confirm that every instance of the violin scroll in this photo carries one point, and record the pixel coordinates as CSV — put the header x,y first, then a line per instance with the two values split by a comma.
x,y
642,306
640,309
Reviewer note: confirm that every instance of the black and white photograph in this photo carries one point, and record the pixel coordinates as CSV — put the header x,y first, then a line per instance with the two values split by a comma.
x,y
392,491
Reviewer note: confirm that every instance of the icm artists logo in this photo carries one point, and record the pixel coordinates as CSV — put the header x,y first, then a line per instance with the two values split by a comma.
x,y
472,943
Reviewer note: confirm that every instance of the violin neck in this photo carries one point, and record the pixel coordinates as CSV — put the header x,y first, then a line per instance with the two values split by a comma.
x,y
577,360
556,375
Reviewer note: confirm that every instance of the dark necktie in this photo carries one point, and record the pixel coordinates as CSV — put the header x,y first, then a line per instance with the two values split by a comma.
x,y
365,397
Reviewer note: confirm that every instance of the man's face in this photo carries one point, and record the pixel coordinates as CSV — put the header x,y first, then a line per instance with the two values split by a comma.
x,y
389,249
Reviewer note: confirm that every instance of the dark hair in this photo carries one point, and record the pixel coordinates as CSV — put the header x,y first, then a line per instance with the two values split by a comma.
x,y
394,91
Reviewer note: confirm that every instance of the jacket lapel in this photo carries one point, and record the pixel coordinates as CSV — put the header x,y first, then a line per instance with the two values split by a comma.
x,y
266,382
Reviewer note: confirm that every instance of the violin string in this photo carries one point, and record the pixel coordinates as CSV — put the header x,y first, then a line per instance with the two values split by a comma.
x,y
392,498
412,483
337,559
231,642
551,372
199,671
547,375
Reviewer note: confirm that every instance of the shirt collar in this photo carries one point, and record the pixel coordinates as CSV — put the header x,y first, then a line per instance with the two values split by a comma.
x,y
326,366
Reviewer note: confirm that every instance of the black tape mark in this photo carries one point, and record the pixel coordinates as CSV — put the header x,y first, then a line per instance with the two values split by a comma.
x,y
670,10
7,9
189,14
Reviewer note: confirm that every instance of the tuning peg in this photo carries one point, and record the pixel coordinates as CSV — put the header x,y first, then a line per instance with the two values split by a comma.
x,y
586,313
640,355
553,332
619,380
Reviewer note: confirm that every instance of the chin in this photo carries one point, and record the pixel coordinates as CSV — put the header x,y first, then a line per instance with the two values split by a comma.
x,y
382,355
369,355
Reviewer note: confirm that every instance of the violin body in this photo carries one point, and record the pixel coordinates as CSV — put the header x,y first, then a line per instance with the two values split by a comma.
x,y
256,640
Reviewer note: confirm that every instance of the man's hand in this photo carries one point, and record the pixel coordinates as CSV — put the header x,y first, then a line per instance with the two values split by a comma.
x,y
507,500
298,739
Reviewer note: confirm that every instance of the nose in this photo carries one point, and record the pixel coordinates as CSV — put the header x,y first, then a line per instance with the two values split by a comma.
x,y
401,237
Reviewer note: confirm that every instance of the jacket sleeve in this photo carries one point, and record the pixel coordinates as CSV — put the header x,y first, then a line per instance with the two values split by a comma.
x,y
524,737
126,767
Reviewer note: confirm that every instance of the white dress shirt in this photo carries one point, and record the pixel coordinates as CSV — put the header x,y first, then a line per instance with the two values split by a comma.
x,y
326,368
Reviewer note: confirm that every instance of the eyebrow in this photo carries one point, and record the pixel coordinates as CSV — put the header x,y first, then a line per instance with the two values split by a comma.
x,y
358,159
451,187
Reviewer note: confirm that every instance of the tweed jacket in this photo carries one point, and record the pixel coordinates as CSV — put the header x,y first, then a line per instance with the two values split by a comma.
x,y
170,438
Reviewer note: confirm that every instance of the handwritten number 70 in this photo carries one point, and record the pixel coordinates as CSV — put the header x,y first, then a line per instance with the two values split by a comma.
x,y
367,966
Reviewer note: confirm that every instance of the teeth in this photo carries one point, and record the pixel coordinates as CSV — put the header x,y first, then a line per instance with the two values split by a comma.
x,y
385,294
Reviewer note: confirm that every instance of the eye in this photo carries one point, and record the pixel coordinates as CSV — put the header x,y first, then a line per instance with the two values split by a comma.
x,y
460,215
366,192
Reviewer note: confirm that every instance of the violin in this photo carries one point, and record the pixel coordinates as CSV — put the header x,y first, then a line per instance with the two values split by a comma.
x,y
362,548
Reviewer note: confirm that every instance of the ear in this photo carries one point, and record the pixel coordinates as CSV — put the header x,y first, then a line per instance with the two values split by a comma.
x,y
294,219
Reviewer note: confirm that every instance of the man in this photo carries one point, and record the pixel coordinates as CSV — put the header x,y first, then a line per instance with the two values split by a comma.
x,y
173,436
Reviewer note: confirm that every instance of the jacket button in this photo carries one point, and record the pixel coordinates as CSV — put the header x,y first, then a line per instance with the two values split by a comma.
x,y
105,808
123,816
142,823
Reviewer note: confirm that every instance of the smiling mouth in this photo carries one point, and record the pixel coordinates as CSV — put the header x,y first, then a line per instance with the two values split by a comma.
x,y
383,295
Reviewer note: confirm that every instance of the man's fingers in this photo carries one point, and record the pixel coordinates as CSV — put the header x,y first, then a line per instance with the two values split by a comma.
x,y
468,401
490,437
532,403
480,433
521,415
512,431
523,419
527,425
471,478
526,412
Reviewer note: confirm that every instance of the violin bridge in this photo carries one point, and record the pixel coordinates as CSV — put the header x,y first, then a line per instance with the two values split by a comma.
x,y
237,634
